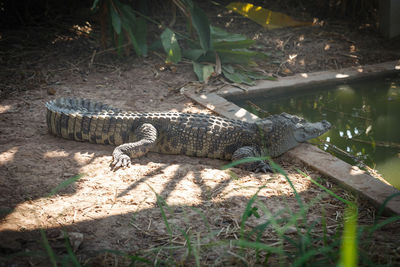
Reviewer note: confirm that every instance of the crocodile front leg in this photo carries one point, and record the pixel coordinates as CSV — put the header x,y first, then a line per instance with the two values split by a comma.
x,y
251,152
146,135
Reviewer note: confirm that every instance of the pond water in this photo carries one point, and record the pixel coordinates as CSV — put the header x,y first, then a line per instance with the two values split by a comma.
x,y
365,116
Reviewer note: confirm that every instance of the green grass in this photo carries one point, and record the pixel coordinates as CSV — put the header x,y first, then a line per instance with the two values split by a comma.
x,y
297,241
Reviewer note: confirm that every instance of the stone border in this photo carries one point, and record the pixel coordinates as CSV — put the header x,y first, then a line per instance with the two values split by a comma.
x,y
349,176
315,78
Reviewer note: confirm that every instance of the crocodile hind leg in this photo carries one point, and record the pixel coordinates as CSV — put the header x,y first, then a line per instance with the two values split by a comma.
x,y
146,135
249,152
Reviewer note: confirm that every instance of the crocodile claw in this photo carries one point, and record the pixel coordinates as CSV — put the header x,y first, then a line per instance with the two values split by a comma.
x,y
263,167
120,161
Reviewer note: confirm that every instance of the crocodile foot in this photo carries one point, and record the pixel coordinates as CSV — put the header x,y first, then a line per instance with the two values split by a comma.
x,y
263,167
120,160
256,166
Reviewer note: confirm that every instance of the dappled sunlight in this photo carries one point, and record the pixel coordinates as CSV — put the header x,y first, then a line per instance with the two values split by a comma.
x,y
5,108
240,113
86,158
292,59
97,198
243,115
101,193
208,105
342,76
356,171
393,92
270,185
388,168
55,154
186,190
353,49
63,38
257,36
8,156
267,18
319,22
86,29
64,211
78,30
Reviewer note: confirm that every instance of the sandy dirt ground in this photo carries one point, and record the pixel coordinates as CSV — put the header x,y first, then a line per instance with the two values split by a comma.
x,y
107,210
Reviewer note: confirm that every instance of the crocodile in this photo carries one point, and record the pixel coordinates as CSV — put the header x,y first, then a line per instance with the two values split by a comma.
x,y
200,135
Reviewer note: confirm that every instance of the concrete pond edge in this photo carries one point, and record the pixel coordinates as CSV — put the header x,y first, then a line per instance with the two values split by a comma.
x,y
340,172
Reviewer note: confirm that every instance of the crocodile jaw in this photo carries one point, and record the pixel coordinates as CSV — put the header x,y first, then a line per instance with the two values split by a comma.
x,y
309,130
286,131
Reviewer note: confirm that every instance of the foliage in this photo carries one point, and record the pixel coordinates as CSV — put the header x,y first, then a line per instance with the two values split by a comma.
x,y
212,52
217,51
126,25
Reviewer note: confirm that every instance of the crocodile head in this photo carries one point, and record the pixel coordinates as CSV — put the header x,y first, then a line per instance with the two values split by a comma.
x,y
283,132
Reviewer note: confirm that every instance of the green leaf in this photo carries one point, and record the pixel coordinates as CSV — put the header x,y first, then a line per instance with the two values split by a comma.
x,y
115,19
49,250
132,38
203,71
209,56
140,31
171,46
233,77
233,44
126,11
219,35
193,54
257,245
242,56
188,3
349,246
246,79
133,258
66,183
228,68
243,76
238,77
156,45
120,42
241,52
134,27
254,75
202,25
227,57
253,211
95,2
71,253
161,203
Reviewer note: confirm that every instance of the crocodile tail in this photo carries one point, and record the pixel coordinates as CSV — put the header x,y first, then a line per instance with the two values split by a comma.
x,y
81,119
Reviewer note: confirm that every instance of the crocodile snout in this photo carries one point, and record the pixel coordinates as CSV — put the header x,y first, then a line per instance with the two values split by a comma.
x,y
327,125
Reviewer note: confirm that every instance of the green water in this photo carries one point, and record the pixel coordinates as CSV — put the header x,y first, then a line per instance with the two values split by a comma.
x,y
365,117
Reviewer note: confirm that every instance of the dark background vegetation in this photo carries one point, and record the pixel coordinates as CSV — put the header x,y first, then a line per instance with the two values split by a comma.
x,y
14,14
